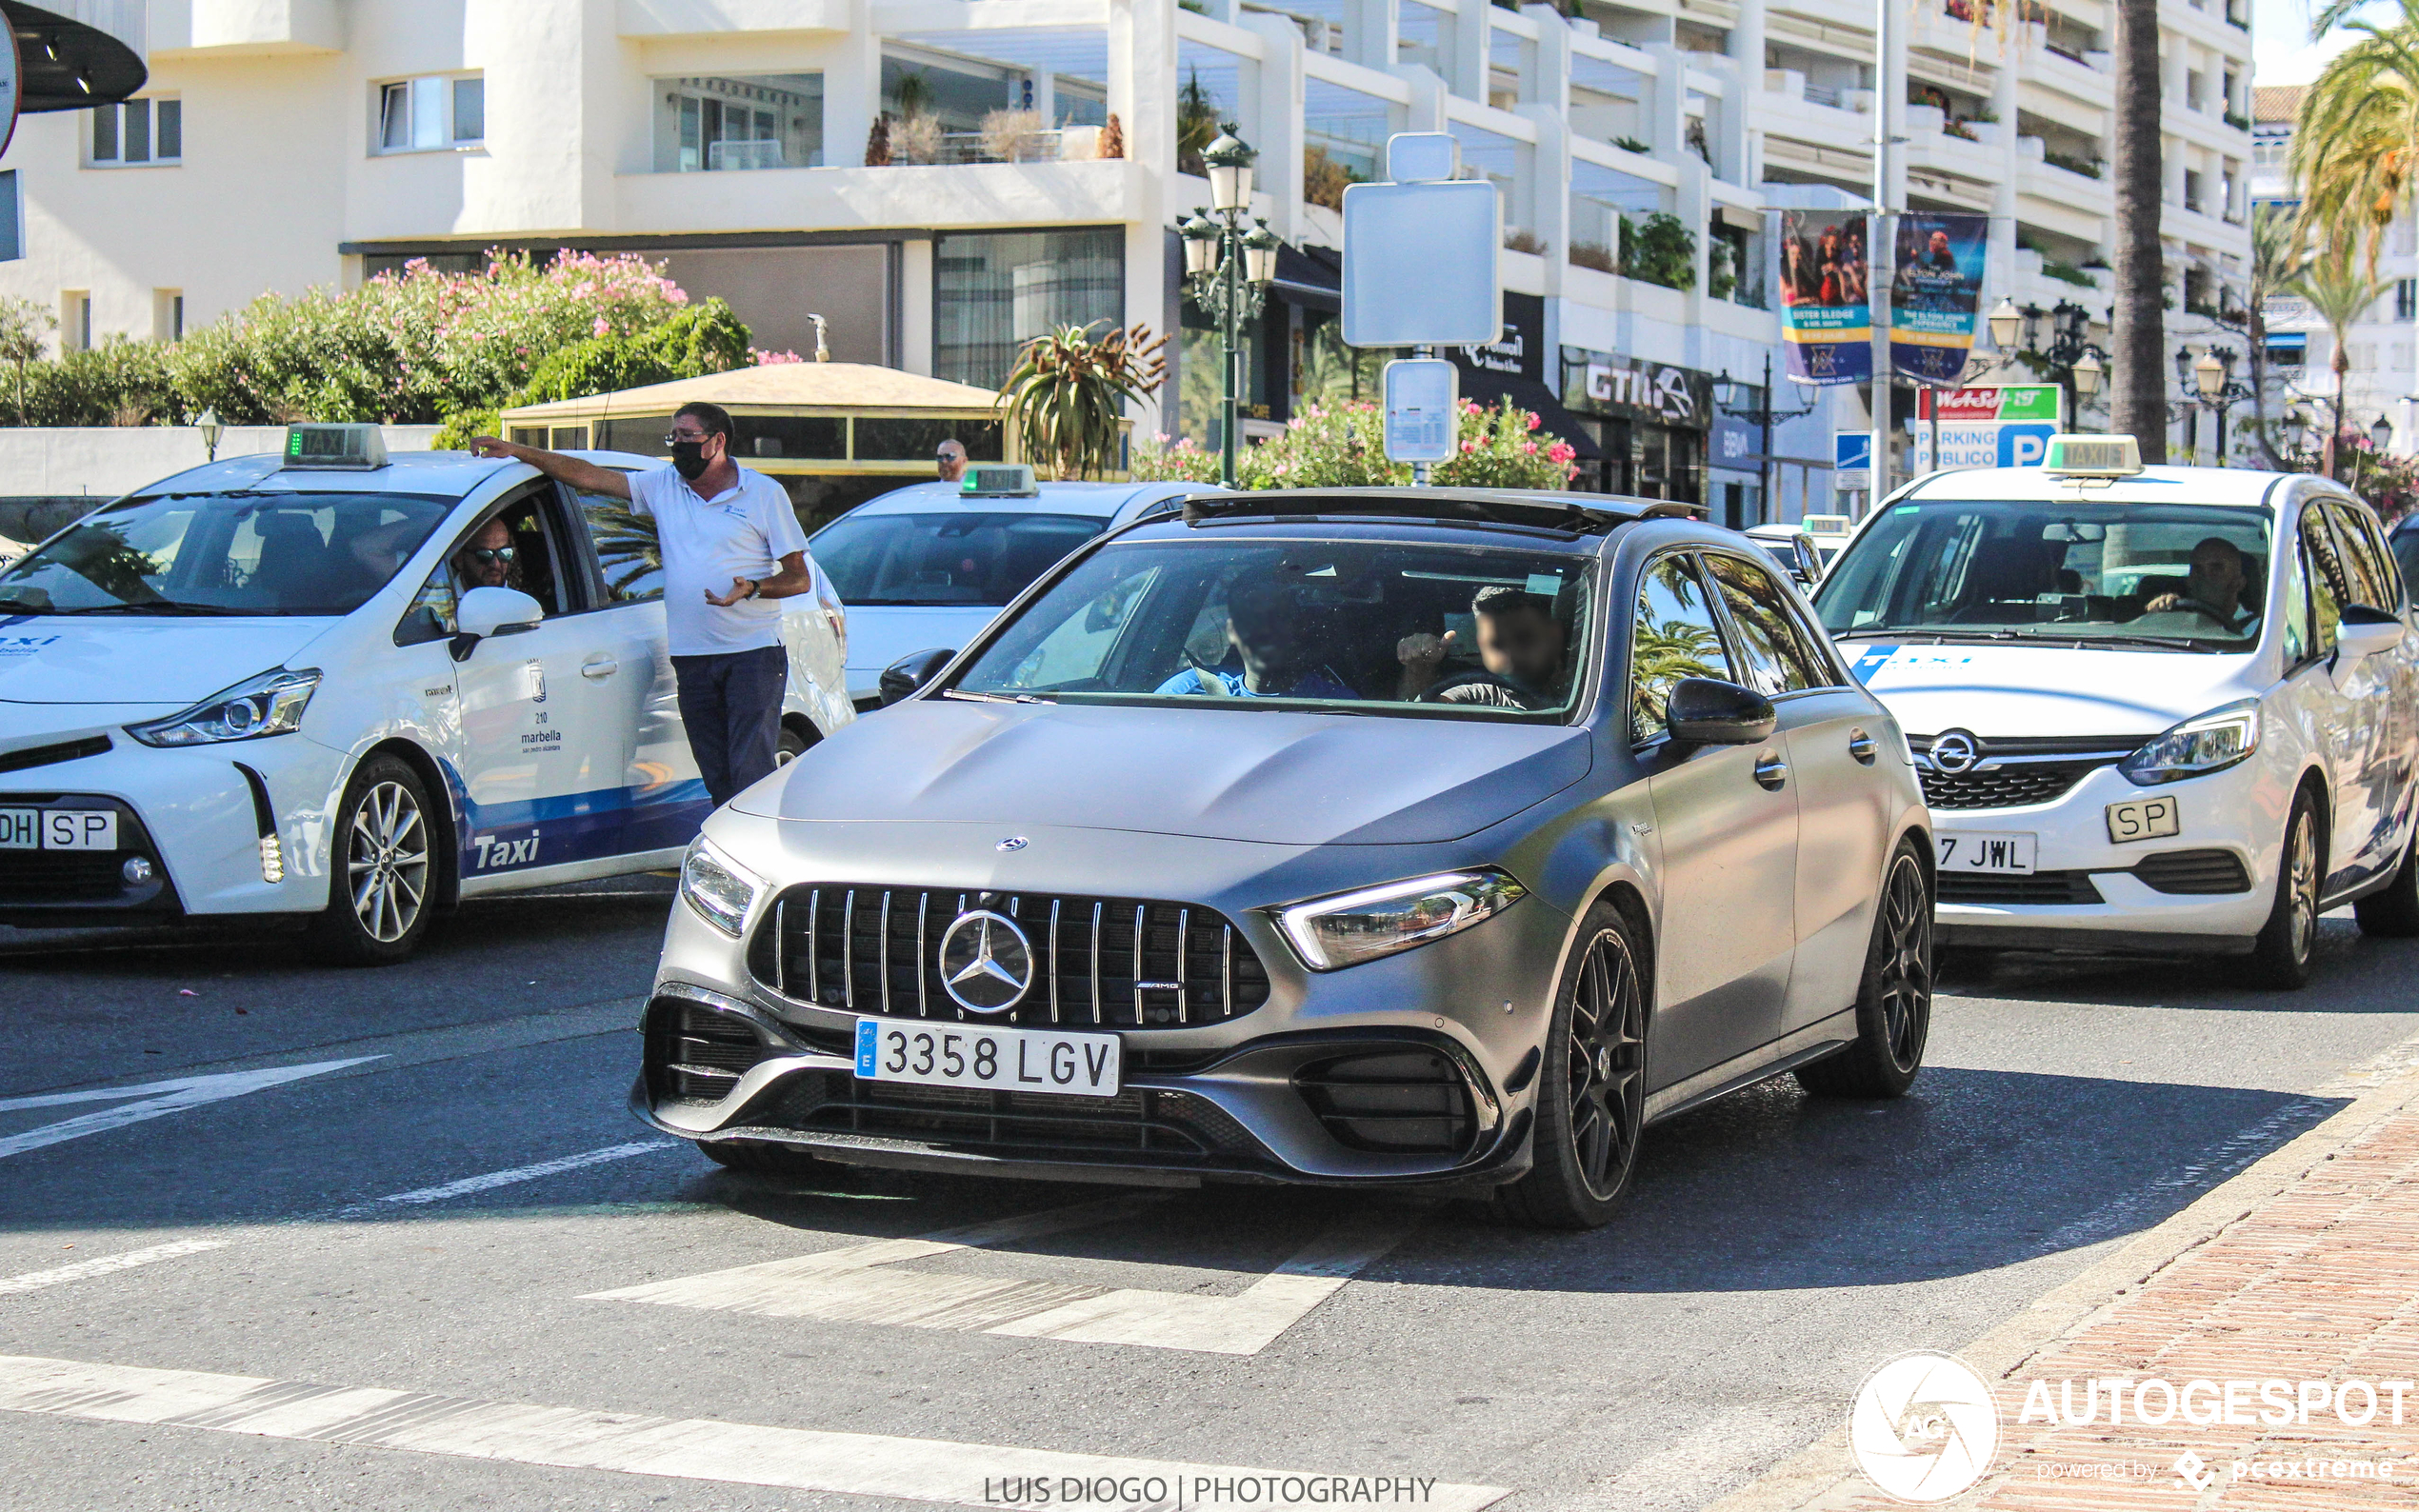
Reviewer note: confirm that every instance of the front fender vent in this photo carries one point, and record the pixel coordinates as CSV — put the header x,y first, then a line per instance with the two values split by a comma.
x,y
697,1054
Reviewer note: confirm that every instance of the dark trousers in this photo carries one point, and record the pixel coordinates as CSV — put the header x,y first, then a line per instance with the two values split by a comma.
x,y
730,705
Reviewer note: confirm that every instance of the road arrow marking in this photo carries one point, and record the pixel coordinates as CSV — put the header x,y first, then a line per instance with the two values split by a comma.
x,y
174,1097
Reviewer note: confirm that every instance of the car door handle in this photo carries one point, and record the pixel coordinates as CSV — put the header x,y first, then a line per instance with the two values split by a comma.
x,y
1861,747
1771,772
599,669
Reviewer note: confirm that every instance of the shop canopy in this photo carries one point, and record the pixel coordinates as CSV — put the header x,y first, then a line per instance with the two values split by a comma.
x,y
806,419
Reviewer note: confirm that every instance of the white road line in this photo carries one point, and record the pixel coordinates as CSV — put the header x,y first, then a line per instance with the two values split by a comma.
x,y
36,1280
697,1449
467,1185
174,1097
850,1285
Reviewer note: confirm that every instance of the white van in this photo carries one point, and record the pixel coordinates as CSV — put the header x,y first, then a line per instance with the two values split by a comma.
x,y
261,688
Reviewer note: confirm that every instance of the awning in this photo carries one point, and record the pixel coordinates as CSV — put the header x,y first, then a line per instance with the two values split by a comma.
x,y
1492,389
1311,277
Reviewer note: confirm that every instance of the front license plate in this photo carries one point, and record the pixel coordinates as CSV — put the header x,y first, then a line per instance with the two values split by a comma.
x,y
2144,819
1980,850
58,830
1007,1059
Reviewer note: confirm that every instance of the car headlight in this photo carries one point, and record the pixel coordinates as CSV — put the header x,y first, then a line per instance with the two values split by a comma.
x,y
271,704
1350,927
718,887
2204,744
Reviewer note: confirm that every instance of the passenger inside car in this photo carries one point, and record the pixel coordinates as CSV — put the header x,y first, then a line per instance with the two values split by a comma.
x,y
1522,648
1265,626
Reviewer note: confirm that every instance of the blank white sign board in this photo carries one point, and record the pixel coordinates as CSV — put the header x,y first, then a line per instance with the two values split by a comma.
x,y
1419,265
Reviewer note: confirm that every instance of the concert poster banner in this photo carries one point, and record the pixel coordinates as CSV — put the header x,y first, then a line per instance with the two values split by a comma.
x,y
1827,320
1935,293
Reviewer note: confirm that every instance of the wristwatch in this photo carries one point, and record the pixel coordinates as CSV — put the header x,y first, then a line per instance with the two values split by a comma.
x,y
755,587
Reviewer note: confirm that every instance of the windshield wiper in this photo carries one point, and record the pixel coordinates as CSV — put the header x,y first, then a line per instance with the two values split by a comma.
x,y
2165,642
1929,635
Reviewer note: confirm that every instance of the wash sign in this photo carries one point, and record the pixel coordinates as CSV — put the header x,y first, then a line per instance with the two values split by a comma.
x,y
1986,427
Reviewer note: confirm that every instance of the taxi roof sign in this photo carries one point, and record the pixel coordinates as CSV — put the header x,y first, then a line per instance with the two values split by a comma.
x,y
335,448
998,479
2074,456
1825,524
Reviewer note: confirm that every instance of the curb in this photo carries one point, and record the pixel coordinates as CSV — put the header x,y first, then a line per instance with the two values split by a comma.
x,y
2379,1088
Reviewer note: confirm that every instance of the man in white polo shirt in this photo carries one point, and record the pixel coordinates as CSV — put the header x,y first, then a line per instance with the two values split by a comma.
x,y
732,545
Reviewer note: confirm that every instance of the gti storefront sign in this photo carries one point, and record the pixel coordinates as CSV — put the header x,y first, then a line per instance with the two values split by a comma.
x,y
1595,382
1987,428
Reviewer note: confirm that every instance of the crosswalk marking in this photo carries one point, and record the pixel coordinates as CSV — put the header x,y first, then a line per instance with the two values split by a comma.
x,y
852,1285
692,1448
104,1265
168,1097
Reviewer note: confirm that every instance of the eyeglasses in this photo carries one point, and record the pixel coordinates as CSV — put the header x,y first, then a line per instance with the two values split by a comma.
x,y
486,554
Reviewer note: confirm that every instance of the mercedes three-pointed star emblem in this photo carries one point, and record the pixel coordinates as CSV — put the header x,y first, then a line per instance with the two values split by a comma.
x,y
987,963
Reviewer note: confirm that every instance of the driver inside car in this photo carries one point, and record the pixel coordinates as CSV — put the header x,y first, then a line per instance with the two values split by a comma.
x,y
1264,626
2214,587
1520,644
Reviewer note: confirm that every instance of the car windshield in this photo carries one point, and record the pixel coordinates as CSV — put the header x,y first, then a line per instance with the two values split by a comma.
x,y
1359,626
225,553
954,558
2131,576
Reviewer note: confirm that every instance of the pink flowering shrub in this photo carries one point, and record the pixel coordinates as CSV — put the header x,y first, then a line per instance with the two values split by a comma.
x,y
1343,446
422,346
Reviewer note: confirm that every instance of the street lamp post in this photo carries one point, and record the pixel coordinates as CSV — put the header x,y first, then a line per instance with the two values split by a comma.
x,y
2208,381
2073,363
207,423
1229,260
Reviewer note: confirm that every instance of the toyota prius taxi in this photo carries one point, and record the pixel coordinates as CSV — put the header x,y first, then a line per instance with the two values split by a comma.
x,y
349,688
2161,710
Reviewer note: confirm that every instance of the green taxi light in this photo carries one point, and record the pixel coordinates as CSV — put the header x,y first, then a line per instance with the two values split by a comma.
x,y
2092,457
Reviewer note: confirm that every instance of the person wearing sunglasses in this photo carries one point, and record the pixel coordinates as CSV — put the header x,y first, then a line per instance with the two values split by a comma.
x,y
486,560
732,545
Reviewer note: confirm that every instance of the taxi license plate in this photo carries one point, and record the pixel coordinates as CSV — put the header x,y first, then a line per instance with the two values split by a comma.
x,y
2144,819
1007,1059
58,830
1980,850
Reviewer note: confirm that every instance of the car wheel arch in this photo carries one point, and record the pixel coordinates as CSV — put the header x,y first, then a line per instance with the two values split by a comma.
x,y
447,851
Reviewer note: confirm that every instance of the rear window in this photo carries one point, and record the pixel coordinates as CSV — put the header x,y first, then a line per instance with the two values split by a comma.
x,y
957,557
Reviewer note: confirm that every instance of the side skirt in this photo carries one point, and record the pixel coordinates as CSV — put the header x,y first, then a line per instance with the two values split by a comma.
x,y
1763,1062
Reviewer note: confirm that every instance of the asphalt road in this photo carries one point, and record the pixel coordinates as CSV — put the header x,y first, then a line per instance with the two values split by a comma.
x,y
304,1176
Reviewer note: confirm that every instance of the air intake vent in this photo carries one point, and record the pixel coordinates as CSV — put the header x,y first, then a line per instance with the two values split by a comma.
x,y
2193,871
1410,1101
695,1053
2040,887
66,750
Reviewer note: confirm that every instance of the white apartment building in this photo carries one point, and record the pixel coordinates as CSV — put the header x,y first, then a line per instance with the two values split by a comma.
x,y
282,144
2301,351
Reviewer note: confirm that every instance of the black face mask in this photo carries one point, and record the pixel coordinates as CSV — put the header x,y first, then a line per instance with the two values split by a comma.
x,y
688,459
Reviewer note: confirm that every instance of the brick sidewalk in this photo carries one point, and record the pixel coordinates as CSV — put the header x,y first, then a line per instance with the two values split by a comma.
x,y
2320,1281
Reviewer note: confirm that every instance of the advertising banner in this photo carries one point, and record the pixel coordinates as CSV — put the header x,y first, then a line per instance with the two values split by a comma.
x,y
1935,293
2014,403
1827,322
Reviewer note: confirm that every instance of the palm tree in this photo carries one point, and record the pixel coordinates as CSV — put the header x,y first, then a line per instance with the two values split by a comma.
x,y
2339,287
2138,321
2280,253
1068,393
2358,132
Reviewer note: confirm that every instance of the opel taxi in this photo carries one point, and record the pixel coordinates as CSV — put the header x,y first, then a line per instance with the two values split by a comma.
x,y
327,684
2155,708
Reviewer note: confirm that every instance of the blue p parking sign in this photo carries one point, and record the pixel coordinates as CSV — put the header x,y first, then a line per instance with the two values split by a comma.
x,y
2023,446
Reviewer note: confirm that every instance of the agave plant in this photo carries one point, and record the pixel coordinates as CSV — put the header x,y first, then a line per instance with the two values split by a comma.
x,y
1069,392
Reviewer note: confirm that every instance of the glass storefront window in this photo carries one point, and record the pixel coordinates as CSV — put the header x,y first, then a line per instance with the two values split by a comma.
x,y
720,123
995,290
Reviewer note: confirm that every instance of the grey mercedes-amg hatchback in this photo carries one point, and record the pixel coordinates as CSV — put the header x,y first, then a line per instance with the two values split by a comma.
x,y
1361,838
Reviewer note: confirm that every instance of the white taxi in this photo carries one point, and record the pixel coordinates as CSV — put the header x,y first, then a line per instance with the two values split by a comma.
x,y
2164,709
323,685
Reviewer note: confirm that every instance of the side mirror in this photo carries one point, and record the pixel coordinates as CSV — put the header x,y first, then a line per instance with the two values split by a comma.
x,y
1703,711
2365,631
492,611
909,673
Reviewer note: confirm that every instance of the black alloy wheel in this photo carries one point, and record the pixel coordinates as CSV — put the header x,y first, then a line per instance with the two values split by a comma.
x,y
1893,1000
1591,1099
2288,943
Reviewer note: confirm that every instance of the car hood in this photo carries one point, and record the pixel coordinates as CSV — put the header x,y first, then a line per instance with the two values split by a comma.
x,y
1260,775
880,635
64,659
2044,690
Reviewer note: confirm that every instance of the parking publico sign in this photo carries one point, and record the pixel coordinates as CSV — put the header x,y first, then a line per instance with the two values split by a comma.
x,y
1986,427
